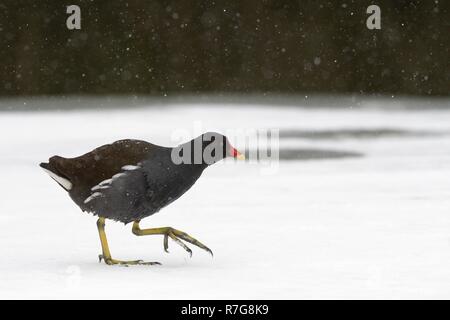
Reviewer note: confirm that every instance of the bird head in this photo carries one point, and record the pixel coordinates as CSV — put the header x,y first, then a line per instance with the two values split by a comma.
x,y
217,147
206,149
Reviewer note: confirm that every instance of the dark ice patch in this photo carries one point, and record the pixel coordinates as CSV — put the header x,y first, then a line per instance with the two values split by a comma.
x,y
353,133
304,154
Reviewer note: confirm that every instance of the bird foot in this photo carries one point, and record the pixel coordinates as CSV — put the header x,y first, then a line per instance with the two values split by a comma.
x,y
177,236
110,261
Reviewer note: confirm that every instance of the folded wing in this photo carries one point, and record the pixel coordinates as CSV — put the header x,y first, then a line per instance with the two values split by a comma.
x,y
125,197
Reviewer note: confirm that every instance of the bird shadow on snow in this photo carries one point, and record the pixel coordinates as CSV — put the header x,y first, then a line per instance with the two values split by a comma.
x,y
177,261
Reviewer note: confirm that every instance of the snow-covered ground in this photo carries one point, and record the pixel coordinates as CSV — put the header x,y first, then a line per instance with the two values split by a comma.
x,y
376,226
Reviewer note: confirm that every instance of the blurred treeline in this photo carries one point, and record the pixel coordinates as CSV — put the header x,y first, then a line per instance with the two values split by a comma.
x,y
161,47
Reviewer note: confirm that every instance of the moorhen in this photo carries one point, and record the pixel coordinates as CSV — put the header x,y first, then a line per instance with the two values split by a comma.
x,y
129,180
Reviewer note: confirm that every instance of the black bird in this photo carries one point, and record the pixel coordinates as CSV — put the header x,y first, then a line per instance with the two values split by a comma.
x,y
129,180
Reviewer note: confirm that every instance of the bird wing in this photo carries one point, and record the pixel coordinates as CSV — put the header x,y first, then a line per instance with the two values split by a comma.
x,y
124,197
101,163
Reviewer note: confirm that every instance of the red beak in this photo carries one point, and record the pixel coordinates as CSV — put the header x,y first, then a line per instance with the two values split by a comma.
x,y
236,154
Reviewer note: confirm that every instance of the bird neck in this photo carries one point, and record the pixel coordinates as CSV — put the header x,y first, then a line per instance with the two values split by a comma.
x,y
189,154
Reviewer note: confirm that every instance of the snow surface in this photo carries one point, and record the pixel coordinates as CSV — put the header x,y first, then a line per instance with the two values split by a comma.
x,y
376,226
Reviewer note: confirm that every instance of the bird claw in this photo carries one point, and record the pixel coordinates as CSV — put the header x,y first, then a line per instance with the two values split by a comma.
x,y
180,243
166,243
177,236
149,263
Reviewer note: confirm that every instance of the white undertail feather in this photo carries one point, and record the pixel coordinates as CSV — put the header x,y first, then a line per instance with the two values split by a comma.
x,y
66,184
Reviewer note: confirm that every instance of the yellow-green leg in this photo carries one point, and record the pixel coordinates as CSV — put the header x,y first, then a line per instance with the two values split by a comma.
x,y
174,234
106,254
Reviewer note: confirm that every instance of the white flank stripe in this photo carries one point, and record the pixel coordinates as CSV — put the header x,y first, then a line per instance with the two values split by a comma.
x,y
118,175
66,184
107,181
94,195
130,167
105,184
99,187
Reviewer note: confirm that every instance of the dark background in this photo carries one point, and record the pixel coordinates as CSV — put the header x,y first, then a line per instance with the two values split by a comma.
x,y
195,47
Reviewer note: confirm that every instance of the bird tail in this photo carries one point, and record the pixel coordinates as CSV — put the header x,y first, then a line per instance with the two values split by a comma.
x,y
53,168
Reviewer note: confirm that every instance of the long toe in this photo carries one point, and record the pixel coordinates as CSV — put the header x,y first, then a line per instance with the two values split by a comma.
x,y
126,263
184,236
180,243
150,263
